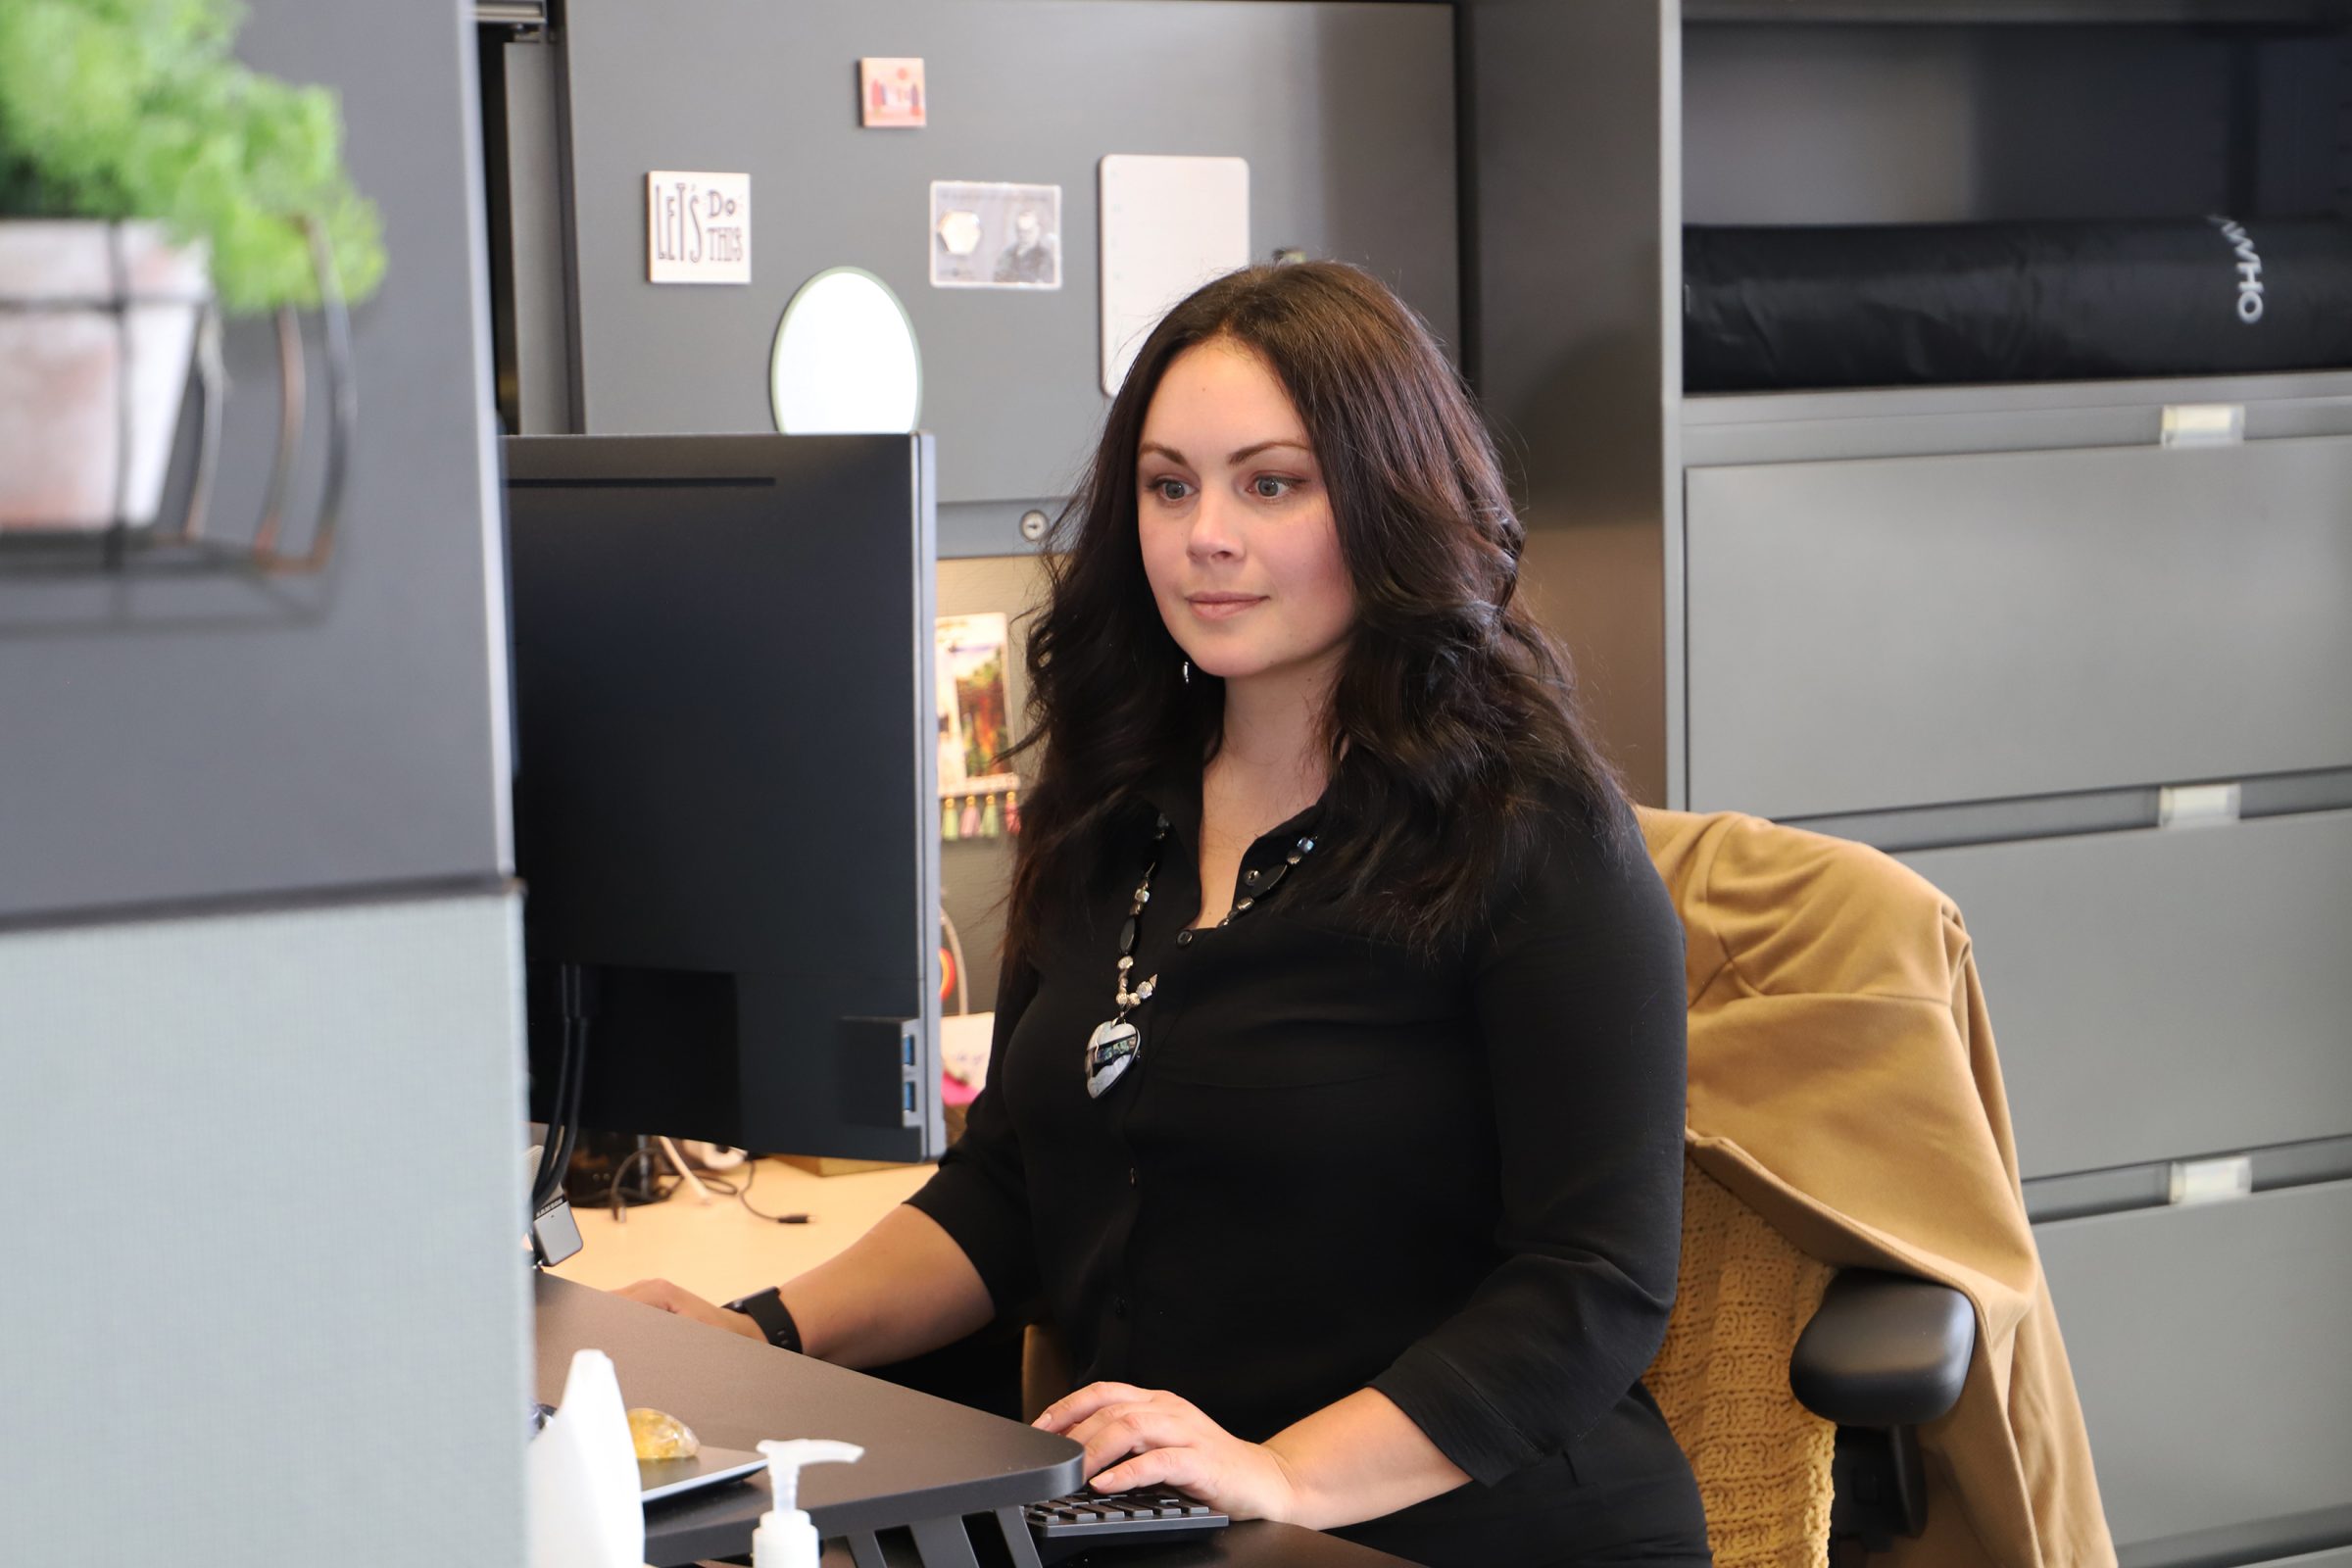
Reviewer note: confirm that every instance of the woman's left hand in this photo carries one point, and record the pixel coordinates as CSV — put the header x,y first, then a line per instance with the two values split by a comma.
x,y
1151,1438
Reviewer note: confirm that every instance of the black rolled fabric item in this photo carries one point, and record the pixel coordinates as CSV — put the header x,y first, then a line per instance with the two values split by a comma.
x,y
1931,303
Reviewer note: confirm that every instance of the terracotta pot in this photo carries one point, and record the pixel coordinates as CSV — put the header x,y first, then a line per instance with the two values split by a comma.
x,y
97,324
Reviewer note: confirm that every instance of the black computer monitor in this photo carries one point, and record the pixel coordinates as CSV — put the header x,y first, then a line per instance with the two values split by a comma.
x,y
725,791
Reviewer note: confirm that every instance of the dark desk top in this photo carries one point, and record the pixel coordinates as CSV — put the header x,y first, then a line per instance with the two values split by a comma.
x,y
925,1457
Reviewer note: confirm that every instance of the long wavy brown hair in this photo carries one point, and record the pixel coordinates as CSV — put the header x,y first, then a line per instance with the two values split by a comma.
x,y
1452,728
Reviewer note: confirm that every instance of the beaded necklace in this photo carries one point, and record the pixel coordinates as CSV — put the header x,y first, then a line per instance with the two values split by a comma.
x,y
1116,1042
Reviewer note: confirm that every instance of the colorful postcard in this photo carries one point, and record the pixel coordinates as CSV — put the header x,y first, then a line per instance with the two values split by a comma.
x,y
889,92
975,715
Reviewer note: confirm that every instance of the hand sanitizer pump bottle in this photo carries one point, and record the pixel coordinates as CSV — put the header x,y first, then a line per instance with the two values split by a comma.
x,y
785,1538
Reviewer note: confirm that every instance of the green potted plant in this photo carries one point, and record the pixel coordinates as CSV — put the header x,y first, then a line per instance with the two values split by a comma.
x,y
143,173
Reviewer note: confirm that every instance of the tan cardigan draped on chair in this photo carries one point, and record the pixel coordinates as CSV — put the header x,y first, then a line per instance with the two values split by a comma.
x,y
1846,1111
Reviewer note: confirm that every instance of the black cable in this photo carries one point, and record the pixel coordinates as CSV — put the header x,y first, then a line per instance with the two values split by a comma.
x,y
713,1181
543,1182
620,1175
572,1077
751,1173
542,1179
571,1135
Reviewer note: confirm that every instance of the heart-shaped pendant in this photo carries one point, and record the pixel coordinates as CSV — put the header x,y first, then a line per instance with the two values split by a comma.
x,y
1111,1049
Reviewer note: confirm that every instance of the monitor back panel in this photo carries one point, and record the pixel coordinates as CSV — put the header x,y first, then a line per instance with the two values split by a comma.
x,y
725,781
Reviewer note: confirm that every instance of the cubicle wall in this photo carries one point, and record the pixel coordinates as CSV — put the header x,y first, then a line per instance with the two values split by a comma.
x,y
2090,682
259,1064
1343,112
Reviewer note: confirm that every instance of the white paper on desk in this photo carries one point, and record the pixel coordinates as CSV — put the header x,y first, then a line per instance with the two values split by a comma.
x,y
586,1510
1168,225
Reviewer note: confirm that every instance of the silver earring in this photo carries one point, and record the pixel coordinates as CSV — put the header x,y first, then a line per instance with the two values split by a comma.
x,y
1188,672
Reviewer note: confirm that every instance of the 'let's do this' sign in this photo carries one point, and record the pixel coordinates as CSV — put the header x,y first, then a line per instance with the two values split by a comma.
x,y
698,227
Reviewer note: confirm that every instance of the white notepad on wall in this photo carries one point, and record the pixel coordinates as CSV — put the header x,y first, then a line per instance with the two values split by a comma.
x,y
1168,225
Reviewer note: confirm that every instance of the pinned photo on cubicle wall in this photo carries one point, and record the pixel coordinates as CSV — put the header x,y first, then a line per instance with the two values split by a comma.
x,y
995,235
977,795
889,92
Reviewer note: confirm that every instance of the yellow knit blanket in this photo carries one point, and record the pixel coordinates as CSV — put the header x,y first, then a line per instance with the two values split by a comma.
x,y
1742,1296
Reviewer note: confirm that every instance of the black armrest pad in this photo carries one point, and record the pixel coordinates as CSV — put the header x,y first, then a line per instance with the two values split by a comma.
x,y
1884,1350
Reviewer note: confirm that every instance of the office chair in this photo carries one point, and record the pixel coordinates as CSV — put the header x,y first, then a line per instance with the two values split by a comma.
x,y
1860,1319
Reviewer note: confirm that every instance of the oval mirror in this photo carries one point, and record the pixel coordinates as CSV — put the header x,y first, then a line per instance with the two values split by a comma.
x,y
844,360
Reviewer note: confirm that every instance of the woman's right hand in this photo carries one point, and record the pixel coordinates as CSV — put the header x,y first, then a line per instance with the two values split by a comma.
x,y
673,1299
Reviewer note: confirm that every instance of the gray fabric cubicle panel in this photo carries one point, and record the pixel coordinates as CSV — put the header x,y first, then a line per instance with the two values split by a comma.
x,y
191,738
1344,111
268,1303
2163,994
2208,1348
1911,631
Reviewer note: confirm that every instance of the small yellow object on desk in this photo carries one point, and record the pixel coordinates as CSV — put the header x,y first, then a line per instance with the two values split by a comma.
x,y
661,1436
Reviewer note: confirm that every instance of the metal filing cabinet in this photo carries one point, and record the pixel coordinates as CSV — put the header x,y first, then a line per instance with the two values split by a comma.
x,y
2096,687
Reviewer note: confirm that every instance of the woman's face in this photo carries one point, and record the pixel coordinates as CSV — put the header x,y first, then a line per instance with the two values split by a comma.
x,y
1236,526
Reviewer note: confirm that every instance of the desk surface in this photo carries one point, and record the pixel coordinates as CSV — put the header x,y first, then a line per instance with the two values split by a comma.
x,y
721,1250
731,1389
925,1459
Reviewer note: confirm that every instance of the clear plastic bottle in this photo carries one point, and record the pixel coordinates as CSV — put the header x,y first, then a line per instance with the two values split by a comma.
x,y
786,1538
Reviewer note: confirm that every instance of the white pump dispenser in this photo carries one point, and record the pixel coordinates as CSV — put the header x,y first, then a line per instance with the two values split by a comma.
x,y
785,1538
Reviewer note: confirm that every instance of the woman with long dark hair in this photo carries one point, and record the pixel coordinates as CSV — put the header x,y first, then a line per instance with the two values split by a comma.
x,y
1334,1114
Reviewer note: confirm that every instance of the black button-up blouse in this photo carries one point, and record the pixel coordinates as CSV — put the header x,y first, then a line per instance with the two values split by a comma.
x,y
1336,1165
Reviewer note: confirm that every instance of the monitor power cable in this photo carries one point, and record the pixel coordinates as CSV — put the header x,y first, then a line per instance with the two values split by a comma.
x,y
578,995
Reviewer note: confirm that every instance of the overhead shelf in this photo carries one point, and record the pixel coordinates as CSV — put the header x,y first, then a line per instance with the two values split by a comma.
x,y
2253,12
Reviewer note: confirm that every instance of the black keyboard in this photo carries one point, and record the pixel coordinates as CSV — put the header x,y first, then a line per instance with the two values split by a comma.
x,y
1063,1527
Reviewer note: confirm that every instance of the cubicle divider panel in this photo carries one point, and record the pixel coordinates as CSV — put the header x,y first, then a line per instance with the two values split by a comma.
x,y
290,1322
1912,631
169,738
1344,113
259,946
1572,257
2207,1344
2166,992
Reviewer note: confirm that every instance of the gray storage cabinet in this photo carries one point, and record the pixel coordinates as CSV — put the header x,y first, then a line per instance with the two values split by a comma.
x,y
2002,631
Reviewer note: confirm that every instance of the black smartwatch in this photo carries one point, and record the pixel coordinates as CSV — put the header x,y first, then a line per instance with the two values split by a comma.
x,y
767,1308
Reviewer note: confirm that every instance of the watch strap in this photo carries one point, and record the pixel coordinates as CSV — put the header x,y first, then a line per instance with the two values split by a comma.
x,y
767,1308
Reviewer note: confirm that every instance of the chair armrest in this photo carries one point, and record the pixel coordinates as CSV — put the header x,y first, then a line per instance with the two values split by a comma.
x,y
1884,1350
